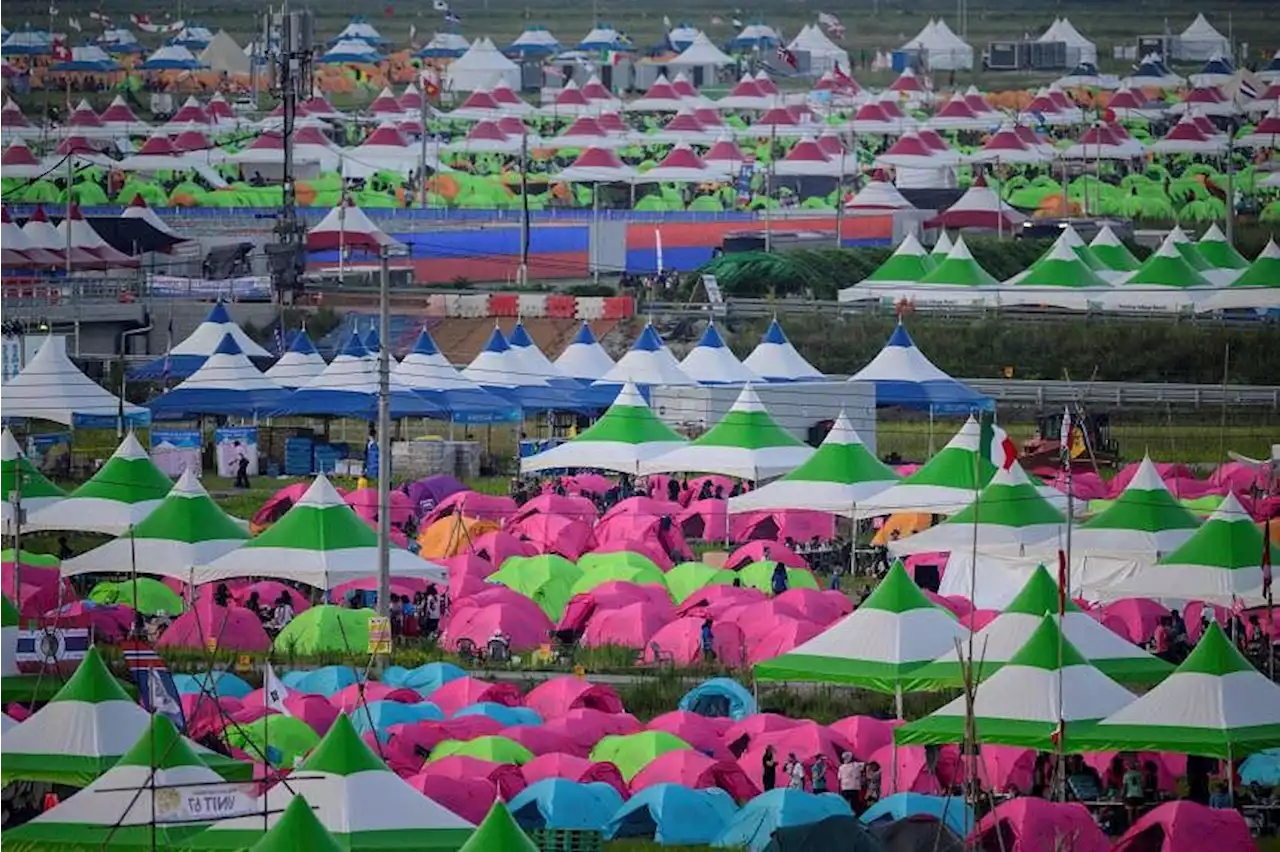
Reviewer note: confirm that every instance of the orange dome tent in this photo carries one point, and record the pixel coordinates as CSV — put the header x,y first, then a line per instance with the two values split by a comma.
x,y
451,536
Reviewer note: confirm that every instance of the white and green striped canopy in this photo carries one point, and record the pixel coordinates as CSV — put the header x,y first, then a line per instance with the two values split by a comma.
x,y
1257,286
1113,253
1060,267
878,646
1145,521
1008,515
840,475
1082,249
907,265
1168,266
121,494
1189,250
1215,704
944,485
997,643
187,529
959,269
1219,253
361,802
79,734
1220,563
747,443
320,541
37,491
1046,682
627,434
118,810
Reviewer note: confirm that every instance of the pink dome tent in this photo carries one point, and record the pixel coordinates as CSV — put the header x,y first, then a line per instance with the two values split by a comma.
x,y
807,740
227,628
795,524
587,727
865,734
822,607
43,588
469,798
525,627
784,637
627,627
707,520
740,735
559,695
612,595
1184,826
574,768
764,551
470,504
682,640
704,733
1135,619
914,775
554,534
365,502
505,776
715,599
349,698
697,771
652,550
465,691
572,507
498,546
541,741
268,592
1035,824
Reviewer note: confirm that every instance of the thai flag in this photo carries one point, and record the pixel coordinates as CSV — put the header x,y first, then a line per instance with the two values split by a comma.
x,y
156,690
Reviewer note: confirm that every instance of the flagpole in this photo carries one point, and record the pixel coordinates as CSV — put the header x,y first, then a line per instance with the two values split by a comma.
x,y
1064,590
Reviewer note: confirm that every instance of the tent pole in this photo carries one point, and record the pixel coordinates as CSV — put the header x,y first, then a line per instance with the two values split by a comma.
x,y
384,439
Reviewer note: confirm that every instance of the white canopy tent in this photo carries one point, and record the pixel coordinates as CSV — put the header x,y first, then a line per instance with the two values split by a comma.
x,y
1201,41
482,67
50,387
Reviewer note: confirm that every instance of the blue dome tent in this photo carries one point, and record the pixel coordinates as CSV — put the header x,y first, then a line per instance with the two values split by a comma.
x,y
557,803
950,810
753,826
673,815
720,697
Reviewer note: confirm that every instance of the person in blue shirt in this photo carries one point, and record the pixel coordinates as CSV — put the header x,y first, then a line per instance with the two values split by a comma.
x,y
708,642
779,580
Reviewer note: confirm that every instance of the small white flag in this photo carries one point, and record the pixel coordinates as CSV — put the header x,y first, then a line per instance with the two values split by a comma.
x,y
666,21
274,691
74,23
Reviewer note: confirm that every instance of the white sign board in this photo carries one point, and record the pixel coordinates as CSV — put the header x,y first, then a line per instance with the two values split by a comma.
x,y
209,803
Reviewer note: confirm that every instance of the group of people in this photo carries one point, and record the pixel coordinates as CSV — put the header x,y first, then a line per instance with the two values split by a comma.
x,y
274,616
859,783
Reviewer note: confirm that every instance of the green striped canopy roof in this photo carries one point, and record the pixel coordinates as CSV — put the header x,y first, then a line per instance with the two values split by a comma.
x,y
1114,254
959,269
997,642
1188,249
1145,505
909,262
1046,682
37,491
878,646
1060,267
1215,704
1167,267
1265,269
298,829
1219,253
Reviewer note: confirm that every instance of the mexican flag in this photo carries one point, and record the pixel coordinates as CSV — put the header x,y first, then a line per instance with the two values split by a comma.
x,y
996,445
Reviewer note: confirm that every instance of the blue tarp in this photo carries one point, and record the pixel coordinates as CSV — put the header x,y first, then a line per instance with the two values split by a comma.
x,y
720,697
323,681
380,715
558,803
904,377
425,679
753,826
673,815
951,810
501,713
219,683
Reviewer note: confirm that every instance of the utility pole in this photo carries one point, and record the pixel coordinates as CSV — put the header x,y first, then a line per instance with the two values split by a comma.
x,y
292,65
384,436
522,278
